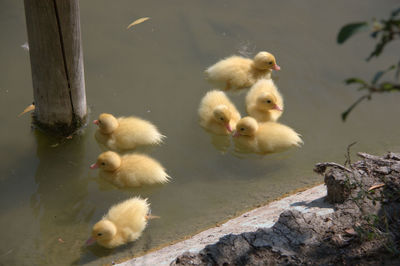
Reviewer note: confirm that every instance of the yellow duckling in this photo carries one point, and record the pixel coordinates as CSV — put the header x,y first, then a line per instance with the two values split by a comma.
x,y
236,72
123,223
264,102
125,133
217,113
263,138
130,170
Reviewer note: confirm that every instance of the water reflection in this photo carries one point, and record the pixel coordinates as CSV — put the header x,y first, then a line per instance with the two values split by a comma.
x,y
242,144
60,200
104,185
141,149
221,143
96,251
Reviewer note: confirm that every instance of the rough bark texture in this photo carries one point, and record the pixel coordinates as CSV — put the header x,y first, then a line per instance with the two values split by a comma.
x,y
56,56
363,230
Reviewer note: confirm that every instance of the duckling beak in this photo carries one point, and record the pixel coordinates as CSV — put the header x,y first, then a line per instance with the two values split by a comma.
x,y
96,122
90,241
276,67
228,127
276,107
236,134
94,166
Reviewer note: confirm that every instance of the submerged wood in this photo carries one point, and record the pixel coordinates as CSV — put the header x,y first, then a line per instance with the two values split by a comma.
x,y
56,56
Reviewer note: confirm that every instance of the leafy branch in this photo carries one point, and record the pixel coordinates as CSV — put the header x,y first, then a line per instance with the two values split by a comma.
x,y
370,88
384,31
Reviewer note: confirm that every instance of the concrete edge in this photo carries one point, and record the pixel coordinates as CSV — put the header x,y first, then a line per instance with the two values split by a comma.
x,y
310,200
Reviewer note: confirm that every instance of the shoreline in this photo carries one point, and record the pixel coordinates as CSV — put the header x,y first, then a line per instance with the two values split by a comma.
x,y
309,200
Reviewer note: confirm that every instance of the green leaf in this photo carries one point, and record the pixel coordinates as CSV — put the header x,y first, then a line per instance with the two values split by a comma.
x,y
388,87
347,112
379,47
380,74
348,30
395,12
355,80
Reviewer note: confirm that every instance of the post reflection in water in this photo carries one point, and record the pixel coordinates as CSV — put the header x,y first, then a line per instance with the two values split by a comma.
x,y
60,201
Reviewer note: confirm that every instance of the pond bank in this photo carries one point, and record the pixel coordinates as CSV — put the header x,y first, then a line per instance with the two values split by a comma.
x,y
310,200
364,228
352,221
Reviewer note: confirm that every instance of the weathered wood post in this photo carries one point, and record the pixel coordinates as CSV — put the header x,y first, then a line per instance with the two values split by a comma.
x,y
54,37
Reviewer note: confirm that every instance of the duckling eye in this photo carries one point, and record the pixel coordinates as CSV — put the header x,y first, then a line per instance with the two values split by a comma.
x,y
242,128
270,63
99,121
99,234
268,101
103,163
222,119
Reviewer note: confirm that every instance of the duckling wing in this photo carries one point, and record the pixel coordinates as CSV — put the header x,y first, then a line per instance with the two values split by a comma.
x,y
139,169
133,132
129,214
234,69
275,137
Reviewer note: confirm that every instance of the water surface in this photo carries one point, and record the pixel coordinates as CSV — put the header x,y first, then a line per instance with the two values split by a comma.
x,y
49,196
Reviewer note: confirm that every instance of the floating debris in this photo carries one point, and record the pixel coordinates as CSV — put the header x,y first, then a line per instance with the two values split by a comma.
x,y
138,21
149,216
245,48
8,252
27,109
25,46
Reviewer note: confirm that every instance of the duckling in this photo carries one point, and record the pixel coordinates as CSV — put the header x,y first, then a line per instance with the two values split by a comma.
x,y
217,113
130,170
126,133
264,102
263,138
123,223
236,72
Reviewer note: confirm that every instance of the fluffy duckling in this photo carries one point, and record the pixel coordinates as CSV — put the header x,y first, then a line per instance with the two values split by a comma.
x,y
263,138
217,113
123,223
264,102
236,72
125,133
130,170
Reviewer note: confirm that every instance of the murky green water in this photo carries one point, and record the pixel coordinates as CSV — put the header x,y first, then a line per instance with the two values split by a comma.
x,y
49,196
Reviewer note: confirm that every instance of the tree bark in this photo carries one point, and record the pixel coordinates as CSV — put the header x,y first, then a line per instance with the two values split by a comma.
x,y
54,38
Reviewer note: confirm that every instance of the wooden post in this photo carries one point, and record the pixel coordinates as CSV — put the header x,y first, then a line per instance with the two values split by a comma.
x,y
54,37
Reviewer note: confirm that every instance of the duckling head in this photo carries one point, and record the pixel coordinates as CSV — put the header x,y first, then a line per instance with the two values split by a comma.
x,y
102,231
223,116
107,123
107,161
246,126
267,101
265,60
